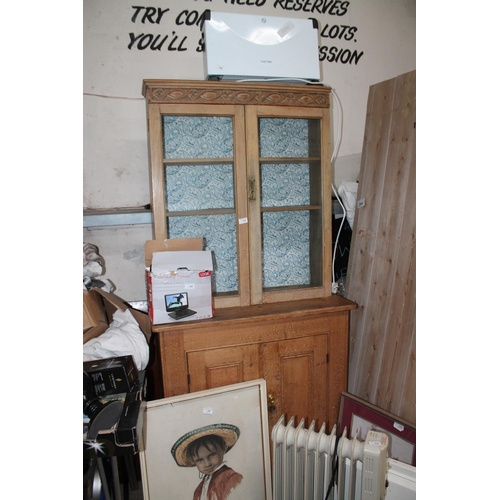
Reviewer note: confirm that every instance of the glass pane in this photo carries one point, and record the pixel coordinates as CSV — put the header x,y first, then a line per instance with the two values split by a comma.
x,y
219,233
197,137
203,186
198,187
285,249
291,240
284,137
284,185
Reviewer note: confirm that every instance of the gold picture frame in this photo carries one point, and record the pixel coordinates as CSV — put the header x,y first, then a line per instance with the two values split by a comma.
x,y
170,424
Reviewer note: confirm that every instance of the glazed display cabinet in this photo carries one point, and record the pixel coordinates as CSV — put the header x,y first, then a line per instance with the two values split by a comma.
x,y
246,167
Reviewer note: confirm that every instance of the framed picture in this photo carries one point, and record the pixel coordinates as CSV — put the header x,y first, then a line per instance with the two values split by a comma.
x,y
357,415
216,439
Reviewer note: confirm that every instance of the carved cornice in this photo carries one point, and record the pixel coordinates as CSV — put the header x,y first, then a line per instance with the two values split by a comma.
x,y
208,92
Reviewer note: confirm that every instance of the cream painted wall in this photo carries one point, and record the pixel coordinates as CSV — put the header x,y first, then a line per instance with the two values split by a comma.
x,y
379,35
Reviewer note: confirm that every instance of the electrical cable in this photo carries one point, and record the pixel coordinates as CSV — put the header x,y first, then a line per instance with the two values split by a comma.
x,y
336,146
290,80
114,97
335,462
335,284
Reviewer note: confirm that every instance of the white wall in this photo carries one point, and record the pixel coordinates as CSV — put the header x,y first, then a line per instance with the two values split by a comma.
x,y
117,57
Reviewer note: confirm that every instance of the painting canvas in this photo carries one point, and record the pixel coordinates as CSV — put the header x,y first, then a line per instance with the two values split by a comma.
x,y
216,439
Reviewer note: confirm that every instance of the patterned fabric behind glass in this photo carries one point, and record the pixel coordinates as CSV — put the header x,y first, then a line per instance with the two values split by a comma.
x,y
198,187
285,235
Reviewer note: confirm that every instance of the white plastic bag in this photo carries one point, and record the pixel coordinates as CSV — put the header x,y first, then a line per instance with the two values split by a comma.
x,y
123,337
348,191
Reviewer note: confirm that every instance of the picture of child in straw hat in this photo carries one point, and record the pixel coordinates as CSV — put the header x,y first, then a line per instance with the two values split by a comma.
x,y
205,448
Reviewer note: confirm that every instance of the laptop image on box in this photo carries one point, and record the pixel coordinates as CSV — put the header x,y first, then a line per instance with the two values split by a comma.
x,y
177,305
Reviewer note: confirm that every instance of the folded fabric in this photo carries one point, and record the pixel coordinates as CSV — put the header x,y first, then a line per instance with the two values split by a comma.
x,y
121,338
91,253
92,269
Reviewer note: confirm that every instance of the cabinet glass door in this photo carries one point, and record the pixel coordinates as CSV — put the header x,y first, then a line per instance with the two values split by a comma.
x,y
199,181
288,165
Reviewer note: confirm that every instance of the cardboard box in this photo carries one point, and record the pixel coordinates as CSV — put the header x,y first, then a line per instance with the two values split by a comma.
x,y
112,375
95,321
123,439
179,280
98,309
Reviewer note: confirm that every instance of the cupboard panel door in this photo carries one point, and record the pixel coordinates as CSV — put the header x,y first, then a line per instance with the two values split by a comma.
x,y
296,375
197,156
289,214
219,367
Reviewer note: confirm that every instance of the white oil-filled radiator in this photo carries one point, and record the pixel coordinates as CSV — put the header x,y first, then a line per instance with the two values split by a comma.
x,y
304,462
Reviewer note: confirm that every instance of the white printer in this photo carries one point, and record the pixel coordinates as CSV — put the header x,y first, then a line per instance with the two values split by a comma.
x,y
246,47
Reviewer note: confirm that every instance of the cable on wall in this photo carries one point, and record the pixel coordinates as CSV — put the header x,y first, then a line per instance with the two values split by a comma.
x,y
336,146
114,97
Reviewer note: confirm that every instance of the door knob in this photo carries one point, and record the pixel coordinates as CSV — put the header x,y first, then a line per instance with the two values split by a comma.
x,y
251,190
271,408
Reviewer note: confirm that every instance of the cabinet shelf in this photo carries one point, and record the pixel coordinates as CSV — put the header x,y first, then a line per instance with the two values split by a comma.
x,y
198,161
284,159
208,211
224,211
291,208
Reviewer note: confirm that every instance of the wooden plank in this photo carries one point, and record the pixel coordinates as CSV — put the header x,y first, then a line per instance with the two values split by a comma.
x,y
403,385
254,218
380,308
289,159
407,408
400,320
206,211
157,172
362,253
174,373
197,161
241,197
338,351
381,274
301,309
204,92
326,183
